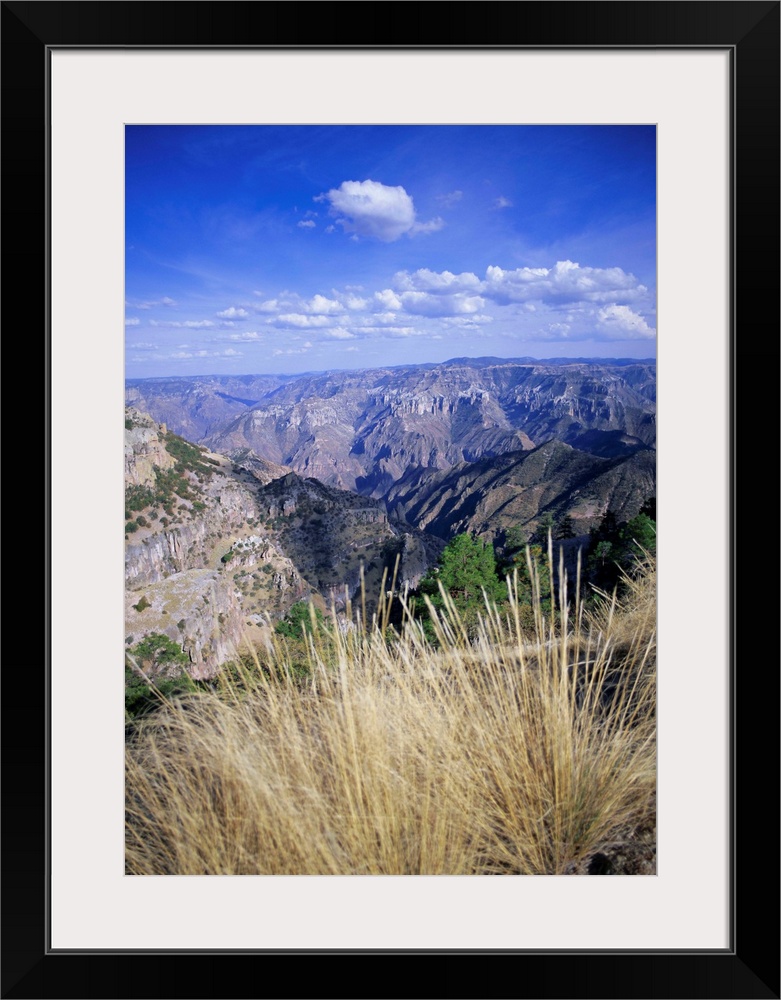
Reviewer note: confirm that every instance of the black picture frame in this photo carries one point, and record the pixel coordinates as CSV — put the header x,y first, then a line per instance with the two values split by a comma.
x,y
750,967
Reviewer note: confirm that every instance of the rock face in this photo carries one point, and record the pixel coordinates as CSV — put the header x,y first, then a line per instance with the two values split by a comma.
x,y
365,431
195,509
154,554
217,549
198,609
144,448
487,497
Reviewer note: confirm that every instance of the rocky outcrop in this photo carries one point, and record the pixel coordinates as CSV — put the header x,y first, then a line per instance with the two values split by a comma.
x,y
144,449
154,553
199,609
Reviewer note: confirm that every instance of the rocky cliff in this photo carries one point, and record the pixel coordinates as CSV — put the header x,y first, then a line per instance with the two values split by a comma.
x,y
213,548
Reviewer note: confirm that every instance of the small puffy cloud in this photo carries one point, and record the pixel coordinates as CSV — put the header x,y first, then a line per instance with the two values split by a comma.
x,y
132,321
435,282
306,224
355,302
269,306
502,202
425,304
387,299
448,200
339,333
624,323
233,313
300,320
322,306
376,211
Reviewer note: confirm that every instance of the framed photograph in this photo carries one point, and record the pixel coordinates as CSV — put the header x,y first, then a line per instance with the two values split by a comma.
x,y
704,78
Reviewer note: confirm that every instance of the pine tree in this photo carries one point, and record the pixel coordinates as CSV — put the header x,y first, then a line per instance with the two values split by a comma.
x,y
467,567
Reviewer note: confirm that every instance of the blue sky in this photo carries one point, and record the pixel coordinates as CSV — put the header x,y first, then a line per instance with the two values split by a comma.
x,y
268,249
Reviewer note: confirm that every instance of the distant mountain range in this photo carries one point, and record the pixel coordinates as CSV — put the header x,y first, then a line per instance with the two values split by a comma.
x,y
366,430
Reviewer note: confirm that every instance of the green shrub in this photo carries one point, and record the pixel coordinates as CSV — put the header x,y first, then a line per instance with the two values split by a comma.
x,y
298,620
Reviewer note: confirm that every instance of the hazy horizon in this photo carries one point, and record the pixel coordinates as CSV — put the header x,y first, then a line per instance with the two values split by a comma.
x,y
298,249
552,359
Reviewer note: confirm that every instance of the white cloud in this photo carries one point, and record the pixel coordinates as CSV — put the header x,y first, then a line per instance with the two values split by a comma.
x,y
626,324
300,320
246,337
376,211
502,202
425,304
565,281
387,299
424,280
132,321
322,306
269,306
339,333
354,302
306,224
233,313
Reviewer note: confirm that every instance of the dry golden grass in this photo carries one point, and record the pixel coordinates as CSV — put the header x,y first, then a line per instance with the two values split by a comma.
x,y
496,754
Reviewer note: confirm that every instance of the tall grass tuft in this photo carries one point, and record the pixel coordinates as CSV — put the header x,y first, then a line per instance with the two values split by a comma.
x,y
498,752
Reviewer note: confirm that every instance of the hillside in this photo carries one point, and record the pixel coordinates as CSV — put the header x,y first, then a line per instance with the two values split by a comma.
x,y
215,547
489,496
